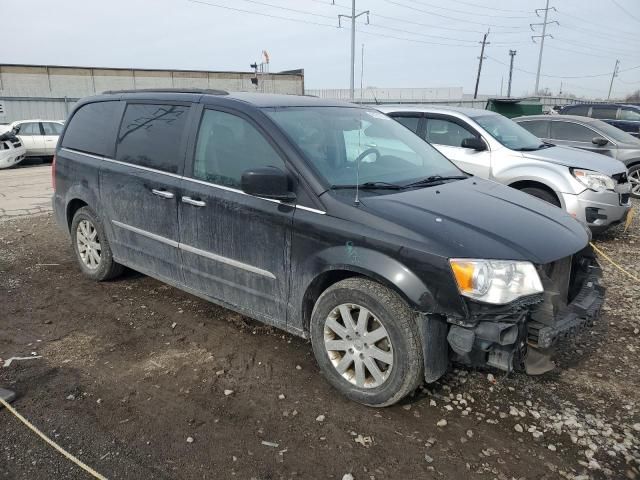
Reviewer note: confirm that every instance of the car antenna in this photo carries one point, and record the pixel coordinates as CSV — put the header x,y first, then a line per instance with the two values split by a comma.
x,y
375,99
357,199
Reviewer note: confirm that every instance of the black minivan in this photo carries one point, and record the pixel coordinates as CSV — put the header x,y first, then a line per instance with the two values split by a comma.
x,y
330,221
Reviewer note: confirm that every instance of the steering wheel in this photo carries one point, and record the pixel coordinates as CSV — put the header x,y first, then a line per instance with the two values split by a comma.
x,y
366,153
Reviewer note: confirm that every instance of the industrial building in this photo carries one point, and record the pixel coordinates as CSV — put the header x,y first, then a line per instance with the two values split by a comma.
x,y
49,92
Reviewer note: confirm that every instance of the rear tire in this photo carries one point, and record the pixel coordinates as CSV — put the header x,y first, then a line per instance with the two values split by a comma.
x,y
634,178
91,247
542,195
377,359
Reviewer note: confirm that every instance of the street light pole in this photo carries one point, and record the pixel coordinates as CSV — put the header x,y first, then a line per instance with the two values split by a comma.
x,y
512,54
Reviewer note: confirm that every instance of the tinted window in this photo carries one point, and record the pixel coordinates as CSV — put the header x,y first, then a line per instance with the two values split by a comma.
x,y
31,128
571,131
582,110
151,135
93,128
539,128
629,114
444,132
52,128
607,112
229,145
410,122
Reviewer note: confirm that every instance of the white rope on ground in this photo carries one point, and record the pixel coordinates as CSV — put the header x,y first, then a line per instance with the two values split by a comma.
x,y
75,460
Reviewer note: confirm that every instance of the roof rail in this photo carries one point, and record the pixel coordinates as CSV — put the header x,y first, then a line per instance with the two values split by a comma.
x,y
207,91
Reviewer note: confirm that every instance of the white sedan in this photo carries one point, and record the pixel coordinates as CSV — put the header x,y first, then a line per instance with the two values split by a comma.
x,y
39,136
12,151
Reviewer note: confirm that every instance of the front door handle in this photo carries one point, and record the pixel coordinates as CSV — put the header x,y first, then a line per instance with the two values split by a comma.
x,y
162,193
191,201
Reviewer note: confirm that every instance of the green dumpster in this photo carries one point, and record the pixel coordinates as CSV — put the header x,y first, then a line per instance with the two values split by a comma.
x,y
514,107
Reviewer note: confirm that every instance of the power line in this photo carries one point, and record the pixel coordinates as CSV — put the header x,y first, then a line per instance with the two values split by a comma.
x,y
492,8
589,54
593,47
308,22
464,12
575,77
375,25
627,12
280,7
279,17
593,33
384,35
450,17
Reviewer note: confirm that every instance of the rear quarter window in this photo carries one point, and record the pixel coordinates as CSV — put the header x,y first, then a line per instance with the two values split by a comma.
x,y
93,128
581,110
151,136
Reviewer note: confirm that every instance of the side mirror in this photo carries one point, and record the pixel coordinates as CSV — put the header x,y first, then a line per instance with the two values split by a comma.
x,y
474,143
601,142
267,182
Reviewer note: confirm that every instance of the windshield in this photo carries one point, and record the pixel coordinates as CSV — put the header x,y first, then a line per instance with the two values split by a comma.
x,y
616,134
336,139
509,133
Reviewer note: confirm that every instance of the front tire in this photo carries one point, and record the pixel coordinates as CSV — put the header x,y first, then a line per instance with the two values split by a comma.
x,y
542,195
91,247
366,342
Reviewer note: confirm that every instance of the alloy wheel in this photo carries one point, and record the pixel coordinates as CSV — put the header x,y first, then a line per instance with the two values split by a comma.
x,y
634,178
358,345
88,244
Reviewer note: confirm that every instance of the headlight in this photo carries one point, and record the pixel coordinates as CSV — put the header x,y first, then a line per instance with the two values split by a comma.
x,y
598,182
495,281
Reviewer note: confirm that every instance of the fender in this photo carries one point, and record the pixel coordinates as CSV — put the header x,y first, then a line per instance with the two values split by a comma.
x,y
383,268
555,177
309,279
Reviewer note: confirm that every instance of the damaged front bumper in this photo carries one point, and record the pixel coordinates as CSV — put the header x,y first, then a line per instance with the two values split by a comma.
x,y
523,335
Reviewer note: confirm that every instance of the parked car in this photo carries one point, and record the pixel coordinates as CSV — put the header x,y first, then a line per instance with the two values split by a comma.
x,y
592,188
624,117
589,134
39,136
327,220
12,151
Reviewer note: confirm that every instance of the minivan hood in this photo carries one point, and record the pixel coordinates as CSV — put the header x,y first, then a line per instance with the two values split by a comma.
x,y
477,218
577,158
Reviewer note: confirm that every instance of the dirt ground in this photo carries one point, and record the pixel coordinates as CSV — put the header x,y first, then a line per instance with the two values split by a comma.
x,y
132,374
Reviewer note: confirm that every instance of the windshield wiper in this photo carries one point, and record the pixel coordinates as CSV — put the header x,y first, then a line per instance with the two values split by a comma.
x,y
370,186
435,179
533,149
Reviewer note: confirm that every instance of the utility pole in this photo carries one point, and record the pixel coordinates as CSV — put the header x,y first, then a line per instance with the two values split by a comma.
x,y
614,75
542,37
482,57
352,17
512,54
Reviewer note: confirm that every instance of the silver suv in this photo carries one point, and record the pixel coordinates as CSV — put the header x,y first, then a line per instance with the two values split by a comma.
x,y
592,188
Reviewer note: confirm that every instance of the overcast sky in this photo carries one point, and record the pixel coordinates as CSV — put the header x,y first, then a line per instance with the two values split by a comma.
x,y
435,47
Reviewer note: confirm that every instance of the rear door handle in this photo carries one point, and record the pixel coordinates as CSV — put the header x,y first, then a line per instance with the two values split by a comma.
x,y
162,193
191,201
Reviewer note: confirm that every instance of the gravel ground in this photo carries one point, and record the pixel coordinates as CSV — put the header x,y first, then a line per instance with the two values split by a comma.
x,y
141,380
